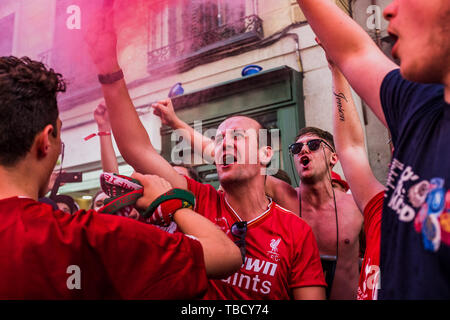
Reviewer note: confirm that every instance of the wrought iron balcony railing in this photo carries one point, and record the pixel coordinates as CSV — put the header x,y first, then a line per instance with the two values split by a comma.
x,y
185,47
195,28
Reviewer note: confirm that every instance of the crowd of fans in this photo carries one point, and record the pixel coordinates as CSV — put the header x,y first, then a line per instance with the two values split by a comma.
x,y
257,236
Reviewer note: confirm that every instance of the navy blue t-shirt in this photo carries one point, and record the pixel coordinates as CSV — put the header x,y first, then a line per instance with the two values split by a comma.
x,y
415,228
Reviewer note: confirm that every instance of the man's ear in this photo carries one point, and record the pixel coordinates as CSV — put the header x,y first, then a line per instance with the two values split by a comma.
x,y
43,142
265,155
333,159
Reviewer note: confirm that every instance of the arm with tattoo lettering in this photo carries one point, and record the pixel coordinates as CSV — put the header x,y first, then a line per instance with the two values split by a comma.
x,y
351,48
349,141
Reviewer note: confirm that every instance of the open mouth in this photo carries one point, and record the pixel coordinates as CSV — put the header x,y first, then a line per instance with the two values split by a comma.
x,y
393,38
304,161
228,159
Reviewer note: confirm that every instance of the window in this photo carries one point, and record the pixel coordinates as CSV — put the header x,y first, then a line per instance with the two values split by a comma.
x,y
7,34
180,29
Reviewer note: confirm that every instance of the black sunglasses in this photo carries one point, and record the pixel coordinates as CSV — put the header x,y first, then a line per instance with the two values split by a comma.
x,y
239,230
313,145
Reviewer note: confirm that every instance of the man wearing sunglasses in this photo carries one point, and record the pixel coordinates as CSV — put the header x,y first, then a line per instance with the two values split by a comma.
x,y
331,213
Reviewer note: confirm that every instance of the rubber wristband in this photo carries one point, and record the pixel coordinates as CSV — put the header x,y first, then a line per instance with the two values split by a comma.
x,y
187,200
111,77
100,133
89,136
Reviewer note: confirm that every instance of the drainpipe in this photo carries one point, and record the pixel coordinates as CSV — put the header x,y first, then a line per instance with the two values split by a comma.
x,y
294,36
377,30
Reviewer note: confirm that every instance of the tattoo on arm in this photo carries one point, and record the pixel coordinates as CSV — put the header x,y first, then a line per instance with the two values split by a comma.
x,y
339,96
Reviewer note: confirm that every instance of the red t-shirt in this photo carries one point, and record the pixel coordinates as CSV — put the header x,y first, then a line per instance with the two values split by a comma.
x,y
48,254
282,253
369,279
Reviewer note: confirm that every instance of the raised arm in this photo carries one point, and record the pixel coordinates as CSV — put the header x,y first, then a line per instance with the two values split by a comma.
x,y
200,143
351,48
108,156
222,257
130,135
349,141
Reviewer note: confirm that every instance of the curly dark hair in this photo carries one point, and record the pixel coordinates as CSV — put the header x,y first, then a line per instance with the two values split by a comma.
x,y
325,135
68,200
27,104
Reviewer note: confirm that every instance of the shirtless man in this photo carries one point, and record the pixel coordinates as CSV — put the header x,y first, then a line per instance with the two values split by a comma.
x,y
317,201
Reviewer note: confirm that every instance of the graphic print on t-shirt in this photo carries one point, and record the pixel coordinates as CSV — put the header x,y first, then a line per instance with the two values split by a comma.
x,y
273,253
428,198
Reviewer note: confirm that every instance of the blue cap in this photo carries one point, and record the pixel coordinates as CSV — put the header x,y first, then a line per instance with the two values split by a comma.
x,y
251,69
176,90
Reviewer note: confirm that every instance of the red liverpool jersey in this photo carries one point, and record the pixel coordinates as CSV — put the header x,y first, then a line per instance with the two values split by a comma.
x,y
282,252
369,279
48,254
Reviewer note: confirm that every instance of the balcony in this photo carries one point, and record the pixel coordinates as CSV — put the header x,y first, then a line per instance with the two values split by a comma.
x,y
184,34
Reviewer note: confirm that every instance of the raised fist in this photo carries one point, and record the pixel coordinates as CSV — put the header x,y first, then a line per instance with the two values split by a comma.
x,y
164,110
102,118
101,39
